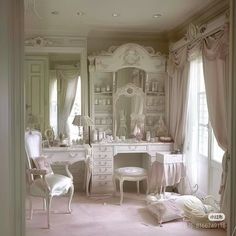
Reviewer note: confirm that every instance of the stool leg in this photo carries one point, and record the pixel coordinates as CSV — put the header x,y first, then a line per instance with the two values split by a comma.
x,y
147,190
138,187
114,185
121,191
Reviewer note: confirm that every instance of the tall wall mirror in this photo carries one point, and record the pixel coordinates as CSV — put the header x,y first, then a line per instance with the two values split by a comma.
x,y
54,80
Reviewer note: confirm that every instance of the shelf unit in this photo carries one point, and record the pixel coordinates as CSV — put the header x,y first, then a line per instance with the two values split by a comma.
x,y
155,100
103,74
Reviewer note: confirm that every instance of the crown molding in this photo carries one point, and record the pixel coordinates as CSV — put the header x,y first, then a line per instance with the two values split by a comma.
x,y
209,13
125,35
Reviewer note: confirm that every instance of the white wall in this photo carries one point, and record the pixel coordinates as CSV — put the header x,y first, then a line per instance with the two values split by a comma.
x,y
12,165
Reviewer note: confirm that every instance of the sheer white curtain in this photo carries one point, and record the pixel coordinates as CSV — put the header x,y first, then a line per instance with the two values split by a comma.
x,y
68,85
215,66
191,134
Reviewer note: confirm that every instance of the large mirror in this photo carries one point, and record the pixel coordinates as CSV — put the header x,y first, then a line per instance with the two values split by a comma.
x,y
129,104
55,85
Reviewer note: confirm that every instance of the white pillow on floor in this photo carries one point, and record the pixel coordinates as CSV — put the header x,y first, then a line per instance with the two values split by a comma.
x,y
165,210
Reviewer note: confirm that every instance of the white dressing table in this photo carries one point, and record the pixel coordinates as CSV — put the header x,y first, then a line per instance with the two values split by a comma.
x,y
103,161
69,161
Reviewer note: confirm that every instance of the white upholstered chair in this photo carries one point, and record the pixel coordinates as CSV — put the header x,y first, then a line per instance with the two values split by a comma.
x,y
42,182
129,174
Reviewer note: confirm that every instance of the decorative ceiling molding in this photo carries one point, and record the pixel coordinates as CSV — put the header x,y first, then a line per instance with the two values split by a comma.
x,y
38,42
54,41
209,13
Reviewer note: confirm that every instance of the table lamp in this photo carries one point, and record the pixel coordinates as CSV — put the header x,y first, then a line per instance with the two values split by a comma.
x,y
83,121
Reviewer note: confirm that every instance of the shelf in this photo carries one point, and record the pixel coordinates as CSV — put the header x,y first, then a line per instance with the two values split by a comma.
x,y
150,93
102,125
103,93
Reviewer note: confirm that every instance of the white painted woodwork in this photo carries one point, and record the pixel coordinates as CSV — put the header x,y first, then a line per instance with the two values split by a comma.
x,y
75,157
37,90
103,69
103,161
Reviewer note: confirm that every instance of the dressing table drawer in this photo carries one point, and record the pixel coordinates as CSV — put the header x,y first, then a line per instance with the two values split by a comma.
x,y
131,148
102,187
103,170
102,149
102,156
103,177
102,162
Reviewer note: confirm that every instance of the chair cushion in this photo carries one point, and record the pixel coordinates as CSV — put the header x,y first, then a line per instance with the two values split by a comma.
x,y
42,163
58,184
131,171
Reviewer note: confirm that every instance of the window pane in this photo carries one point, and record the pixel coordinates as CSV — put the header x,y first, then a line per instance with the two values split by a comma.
x,y
217,151
53,103
203,140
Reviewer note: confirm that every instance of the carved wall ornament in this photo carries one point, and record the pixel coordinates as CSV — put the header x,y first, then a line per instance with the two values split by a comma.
x,y
101,64
192,32
131,56
129,90
38,42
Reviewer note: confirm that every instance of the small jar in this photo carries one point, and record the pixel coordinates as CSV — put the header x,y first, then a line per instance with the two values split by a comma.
x,y
108,88
97,89
148,136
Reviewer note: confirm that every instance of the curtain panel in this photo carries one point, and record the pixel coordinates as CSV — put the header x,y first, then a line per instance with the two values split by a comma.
x,y
214,50
215,54
178,73
68,84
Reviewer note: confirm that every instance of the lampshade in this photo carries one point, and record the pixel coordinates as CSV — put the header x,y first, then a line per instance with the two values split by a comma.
x,y
81,120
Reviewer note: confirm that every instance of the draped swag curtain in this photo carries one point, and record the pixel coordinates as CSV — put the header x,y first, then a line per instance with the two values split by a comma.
x,y
214,52
67,91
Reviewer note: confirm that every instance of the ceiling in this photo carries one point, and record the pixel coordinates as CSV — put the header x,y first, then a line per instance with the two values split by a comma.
x,y
96,15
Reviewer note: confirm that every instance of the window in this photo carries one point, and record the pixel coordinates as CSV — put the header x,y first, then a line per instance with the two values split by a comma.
x,y
207,145
203,120
53,103
76,110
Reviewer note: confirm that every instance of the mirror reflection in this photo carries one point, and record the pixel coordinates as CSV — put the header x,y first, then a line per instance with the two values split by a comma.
x,y
129,104
53,93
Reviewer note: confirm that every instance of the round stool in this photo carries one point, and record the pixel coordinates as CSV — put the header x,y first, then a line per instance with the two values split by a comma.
x,y
129,174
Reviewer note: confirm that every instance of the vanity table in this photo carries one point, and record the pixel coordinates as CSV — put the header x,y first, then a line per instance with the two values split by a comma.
x,y
127,99
69,161
103,161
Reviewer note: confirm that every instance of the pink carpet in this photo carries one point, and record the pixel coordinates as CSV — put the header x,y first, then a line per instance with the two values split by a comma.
x,y
104,217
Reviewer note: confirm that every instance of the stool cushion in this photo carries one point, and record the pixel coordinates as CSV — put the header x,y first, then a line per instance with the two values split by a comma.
x,y
131,171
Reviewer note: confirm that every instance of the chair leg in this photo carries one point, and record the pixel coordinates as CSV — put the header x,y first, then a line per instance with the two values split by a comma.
x,y
147,190
114,185
87,183
44,204
138,187
48,204
70,197
121,191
